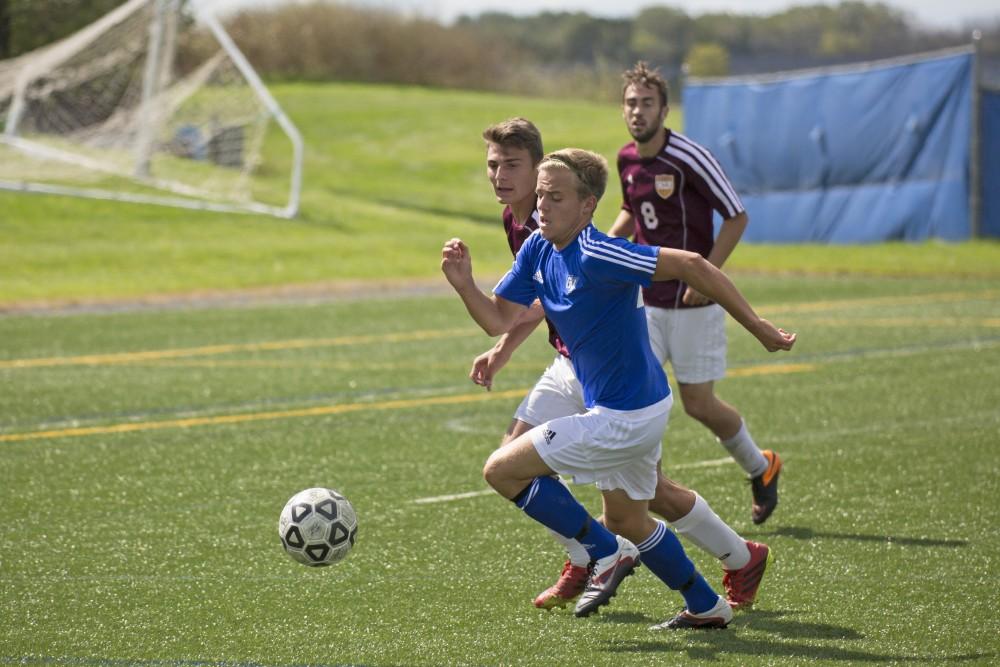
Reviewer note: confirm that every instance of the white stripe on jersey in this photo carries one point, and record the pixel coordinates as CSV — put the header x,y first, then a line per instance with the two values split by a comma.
x,y
716,167
638,256
702,162
616,255
713,164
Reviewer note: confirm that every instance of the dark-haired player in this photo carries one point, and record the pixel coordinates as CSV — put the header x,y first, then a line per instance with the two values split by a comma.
x,y
670,187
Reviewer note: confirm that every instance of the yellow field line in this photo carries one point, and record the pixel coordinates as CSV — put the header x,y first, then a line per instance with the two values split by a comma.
x,y
770,369
188,422
907,321
879,301
208,350
305,343
319,411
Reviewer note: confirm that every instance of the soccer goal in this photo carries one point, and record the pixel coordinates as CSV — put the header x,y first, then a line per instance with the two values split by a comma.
x,y
151,103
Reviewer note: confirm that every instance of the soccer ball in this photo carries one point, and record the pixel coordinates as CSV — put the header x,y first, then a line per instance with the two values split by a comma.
x,y
318,527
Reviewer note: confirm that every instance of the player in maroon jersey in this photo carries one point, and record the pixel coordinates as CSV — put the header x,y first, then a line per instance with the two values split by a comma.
x,y
670,188
513,152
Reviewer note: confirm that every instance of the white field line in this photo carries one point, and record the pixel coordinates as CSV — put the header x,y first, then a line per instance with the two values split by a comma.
x,y
452,496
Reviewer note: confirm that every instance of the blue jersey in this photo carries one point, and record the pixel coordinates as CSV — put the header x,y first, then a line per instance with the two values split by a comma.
x,y
590,290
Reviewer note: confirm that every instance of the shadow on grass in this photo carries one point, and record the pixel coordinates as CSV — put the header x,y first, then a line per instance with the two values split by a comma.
x,y
626,617
715,644
803,533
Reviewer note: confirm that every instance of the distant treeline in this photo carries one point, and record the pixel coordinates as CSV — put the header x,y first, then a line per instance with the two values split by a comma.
x,y
564,53
550,53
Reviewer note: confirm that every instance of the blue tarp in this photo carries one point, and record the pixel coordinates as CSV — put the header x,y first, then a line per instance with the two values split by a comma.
x,y
870,154
990,151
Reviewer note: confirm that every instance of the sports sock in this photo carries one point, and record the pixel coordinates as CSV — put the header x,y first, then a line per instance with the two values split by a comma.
x,y
575,551
712,535
745,451
551,504
663,554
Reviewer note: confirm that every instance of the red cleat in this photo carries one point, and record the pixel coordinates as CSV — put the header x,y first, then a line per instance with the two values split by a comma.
x,y
571,583
741,585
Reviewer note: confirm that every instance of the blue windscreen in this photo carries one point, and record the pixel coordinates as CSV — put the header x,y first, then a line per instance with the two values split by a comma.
x,y
876,153
990,152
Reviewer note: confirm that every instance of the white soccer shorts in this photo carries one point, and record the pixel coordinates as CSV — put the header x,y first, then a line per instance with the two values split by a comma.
x,y
693,340
556,394
614,449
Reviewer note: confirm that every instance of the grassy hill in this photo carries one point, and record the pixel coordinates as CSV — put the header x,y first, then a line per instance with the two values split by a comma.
x,y
391,172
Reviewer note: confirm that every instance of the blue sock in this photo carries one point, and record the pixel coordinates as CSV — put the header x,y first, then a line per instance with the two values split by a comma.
x,y
551,504
663,554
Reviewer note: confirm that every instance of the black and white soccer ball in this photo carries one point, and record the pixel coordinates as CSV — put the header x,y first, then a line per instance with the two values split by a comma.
x,y
318,527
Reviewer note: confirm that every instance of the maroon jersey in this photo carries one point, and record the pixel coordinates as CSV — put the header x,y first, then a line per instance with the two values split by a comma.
x,y
671,197
516,234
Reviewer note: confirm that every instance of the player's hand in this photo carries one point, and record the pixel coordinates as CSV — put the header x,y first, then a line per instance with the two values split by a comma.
x,y
693,297
485,367
773,338
456,263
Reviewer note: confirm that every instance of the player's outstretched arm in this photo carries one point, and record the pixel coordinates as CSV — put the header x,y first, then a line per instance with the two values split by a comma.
x,y
698,272
486,366
494,314
729,235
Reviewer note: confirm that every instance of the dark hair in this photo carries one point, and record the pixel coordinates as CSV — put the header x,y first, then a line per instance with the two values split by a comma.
x,y
643,75
519,133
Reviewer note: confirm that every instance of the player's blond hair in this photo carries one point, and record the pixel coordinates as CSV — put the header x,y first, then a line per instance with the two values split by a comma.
x,y
648,77
590,169
517,133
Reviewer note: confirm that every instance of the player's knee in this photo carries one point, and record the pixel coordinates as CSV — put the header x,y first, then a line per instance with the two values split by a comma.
x,y
493,472
699,407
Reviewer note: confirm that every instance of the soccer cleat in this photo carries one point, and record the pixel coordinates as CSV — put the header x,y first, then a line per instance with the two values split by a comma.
x,y
718,617
741,585
765,488
572,581
605,576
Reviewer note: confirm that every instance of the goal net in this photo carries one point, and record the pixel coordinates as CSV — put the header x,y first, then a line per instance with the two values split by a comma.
x,y
150,103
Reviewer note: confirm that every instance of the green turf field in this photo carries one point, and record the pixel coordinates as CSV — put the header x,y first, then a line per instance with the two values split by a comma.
x,y
146,452
146,456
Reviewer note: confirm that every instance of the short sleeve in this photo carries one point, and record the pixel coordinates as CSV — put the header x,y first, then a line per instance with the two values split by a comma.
x,y
517,284
705,174
618,259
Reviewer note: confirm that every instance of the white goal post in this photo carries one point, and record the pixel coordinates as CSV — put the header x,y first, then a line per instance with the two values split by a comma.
x,y
148,104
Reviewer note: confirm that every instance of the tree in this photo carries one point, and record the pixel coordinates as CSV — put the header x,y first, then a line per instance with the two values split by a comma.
x,y
35,23
4,30
708,59
661,34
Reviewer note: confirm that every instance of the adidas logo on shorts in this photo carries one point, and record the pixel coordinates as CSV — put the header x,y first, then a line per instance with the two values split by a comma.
x,y
548,435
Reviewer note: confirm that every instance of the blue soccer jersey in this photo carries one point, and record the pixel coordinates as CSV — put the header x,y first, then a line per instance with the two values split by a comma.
x,y
590,291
